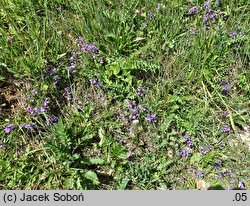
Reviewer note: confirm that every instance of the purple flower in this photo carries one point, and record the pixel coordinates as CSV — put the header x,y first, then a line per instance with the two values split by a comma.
x,y
188,141
193,10
53,71
46,102
140,91
206,150
184,153
42,109
225,129
129,105
241,185
35,111
88,48
10,39
231,181
151,15
151,118
122,115
198,173
217,164
217,3
206,4
53,119
226,115
33,92
29,126
57,79
133,116
225,88
68,92
233,35
101,62
99,84
93,81
134,110
8,129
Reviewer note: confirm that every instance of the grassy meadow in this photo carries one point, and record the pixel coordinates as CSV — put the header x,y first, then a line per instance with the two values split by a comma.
x,y
125,94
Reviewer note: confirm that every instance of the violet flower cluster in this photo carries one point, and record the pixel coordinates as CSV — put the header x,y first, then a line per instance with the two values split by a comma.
x,y
225,129
193,11
95,81
68,93
206,149
88,48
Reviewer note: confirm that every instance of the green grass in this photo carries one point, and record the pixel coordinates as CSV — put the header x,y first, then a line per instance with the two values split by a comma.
x,y
96,141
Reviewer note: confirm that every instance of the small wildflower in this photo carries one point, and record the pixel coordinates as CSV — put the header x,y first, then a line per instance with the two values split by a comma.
x,y
35,111
101,62
226,115
217,164
140,91
88,48
10,39
53,119
225,129
193,10
42,109
133,116
93,81
184,153
241,185
99,84
198,173
233,35
53,71
69,94
188,141
122,115
46,102
29,126
151,118
8,129
206,4
151,15
129,105
57,79
225,89
206,150
217,3
33,92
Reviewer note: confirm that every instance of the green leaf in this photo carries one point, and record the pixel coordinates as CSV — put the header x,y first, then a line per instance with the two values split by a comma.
x,y
196,158
90,175
61,55
96,161
123,183
101,133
